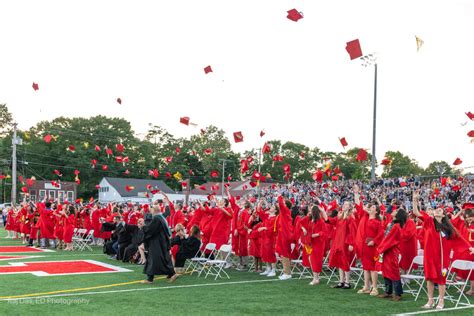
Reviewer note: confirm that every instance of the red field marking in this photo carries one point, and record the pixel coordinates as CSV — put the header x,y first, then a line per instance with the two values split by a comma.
x,y
50,268
21,249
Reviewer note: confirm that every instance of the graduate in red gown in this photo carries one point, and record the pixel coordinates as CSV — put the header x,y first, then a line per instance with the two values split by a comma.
x,y
240,233
464,223
68,216
314,240
254,237
221,218
389,251
46,224
440,237
268,232
10,226
342,248
369,236
284,236
301,225
408,244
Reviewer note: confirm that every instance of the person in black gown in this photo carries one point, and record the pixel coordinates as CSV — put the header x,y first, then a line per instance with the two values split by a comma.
x,y
157,241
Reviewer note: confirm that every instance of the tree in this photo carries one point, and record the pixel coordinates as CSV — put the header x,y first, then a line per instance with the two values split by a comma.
x,y
6,120
400,165
437,168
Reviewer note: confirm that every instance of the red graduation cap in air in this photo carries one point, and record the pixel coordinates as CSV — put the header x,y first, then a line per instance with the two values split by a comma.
x,y
262,133
184,120
244,166
119,147
470,116
471,133
47,138
457,162
35,86
343,142
129,188
93,163
97,148
362,155
71,148
286,168
207,69
353,48
109,152
105,167
238,137
168,174
119,101
208,151
294,15
266,148
386,161
214,174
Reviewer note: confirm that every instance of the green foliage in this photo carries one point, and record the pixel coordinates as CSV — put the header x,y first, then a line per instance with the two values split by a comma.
x,y
400,165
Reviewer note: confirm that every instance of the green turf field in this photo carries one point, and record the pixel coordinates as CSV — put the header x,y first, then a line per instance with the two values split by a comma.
x,y
245,293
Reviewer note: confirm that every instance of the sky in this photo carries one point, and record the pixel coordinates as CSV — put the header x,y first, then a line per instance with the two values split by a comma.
x,y
295,80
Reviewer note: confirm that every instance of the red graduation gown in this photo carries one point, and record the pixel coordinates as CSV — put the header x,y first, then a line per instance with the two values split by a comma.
x,y
340,256
408,244
368,230
389,249
461,253
220,226
318,244
46,222
268,237
68,228
284,230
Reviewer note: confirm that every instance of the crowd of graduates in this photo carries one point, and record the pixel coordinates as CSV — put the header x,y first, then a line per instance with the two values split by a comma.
x,y
382,225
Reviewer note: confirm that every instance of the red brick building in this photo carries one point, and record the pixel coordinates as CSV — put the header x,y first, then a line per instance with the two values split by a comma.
x,y
40,189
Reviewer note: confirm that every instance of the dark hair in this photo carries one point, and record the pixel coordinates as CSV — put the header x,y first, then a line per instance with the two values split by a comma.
x,y
195,232
288,204
72,210
315,213
377,212
226,202
401,217
247,204
445,226
277,208
47,204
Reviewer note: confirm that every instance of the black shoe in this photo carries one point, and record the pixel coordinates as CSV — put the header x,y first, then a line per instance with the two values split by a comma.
x,y
346,286
340,285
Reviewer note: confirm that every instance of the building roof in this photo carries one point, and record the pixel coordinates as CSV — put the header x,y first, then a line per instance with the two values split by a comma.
x,y
139,186
235,188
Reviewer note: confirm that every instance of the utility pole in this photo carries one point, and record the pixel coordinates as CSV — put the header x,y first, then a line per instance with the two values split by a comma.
x,y
374,128
223,174
14,143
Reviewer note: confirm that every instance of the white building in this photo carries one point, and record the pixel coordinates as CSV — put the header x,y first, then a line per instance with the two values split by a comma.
x,y
115,190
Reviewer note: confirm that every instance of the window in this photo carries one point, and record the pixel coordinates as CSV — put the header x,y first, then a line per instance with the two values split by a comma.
x,y
70,196
42,195
61,196
52,195
33,198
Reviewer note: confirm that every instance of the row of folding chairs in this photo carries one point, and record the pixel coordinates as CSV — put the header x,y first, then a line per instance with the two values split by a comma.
x,y
81,239
211,262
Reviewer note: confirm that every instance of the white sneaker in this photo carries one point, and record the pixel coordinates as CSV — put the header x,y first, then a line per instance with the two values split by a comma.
x,y
271,274
266,272
228,265
285,277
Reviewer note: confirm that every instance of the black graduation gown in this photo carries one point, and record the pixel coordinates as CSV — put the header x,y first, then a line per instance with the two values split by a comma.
x,y
157,239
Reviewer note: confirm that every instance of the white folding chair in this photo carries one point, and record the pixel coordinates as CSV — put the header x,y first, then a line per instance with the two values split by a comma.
x,y
415,275
299,268
324,271
83,242
216,266
459,285
78,238
195,264
358,272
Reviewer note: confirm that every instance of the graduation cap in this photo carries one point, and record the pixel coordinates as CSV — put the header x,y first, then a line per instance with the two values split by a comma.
x,y
47,138
119,101
277,157
119,159
457,162
126,172
190,172
294,15
105,167
178,176
471,133
256,175
78,181
129,188
238,137
467,206
109,152
353,48
30,181
229,178
97,148
93,163
214,187
184,184
24,189
419,43
76,172
184,120
168,174
97,186
207,69
470,116
169,159
253,184
56,172
302,155
244,167
119,147
286,168
266,148
262,133
386,161
362,155
208,151
343,142
177,150
200,187
214,174
71,148
35,86
154,173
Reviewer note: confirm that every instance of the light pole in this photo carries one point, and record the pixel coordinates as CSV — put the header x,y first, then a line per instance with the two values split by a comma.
x,y
369,60
223,174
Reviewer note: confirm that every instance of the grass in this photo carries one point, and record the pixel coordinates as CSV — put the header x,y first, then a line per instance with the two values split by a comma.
x,y
189,295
